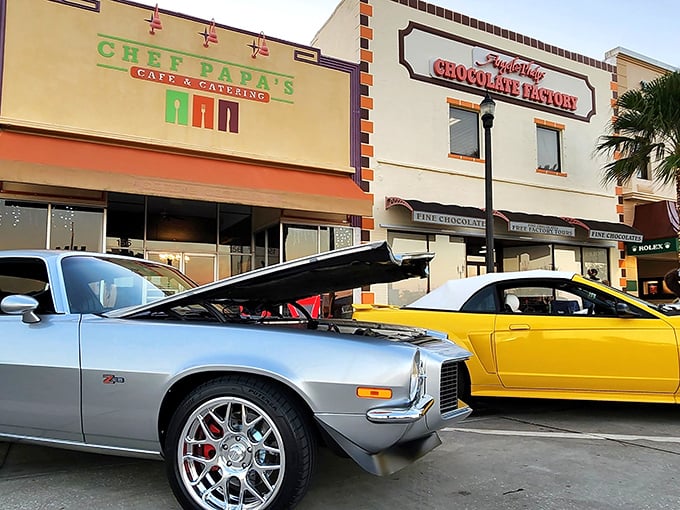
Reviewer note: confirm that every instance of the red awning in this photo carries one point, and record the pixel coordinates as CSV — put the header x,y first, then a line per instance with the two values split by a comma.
x,y
657,220
38,159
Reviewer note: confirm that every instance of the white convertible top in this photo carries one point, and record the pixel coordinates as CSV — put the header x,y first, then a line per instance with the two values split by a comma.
x,y
454,293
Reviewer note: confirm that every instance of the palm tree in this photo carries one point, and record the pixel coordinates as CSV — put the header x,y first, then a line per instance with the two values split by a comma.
x,y
646,134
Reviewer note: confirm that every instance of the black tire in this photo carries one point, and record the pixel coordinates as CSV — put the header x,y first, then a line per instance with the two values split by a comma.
x,y
225,453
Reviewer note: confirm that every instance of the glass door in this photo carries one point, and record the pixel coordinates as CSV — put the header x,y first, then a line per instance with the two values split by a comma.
x,y
200,267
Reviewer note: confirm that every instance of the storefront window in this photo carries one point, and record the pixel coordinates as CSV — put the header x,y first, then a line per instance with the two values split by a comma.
x,y
233,260
273,243
596,258
125,224
200,267
407,291
448,264
300,241
23,225
76,228
568,258
234,254
178,220
332,238
267,247
303,240
260,249
525,258
449,260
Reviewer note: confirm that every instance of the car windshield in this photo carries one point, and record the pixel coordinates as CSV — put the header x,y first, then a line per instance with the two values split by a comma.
x,y
665,308
100,284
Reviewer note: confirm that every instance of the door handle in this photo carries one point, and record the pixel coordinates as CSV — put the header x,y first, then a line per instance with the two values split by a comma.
x,y
515,327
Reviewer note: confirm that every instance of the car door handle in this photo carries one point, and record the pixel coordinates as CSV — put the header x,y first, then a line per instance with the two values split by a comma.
x,y
516,327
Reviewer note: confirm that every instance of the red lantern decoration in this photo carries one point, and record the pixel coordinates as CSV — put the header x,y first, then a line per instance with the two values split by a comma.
x,y
155,21
209,35
260,48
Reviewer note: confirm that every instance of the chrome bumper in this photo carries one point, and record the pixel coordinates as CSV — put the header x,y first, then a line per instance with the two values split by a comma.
x,y
401,414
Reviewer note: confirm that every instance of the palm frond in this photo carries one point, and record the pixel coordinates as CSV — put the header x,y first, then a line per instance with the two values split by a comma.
x,y
646,129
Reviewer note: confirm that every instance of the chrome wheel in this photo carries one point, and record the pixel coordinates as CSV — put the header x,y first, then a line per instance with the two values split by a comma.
x,y
231,455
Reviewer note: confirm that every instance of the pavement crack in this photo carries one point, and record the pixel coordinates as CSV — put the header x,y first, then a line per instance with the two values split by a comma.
x,y
603,436
513,492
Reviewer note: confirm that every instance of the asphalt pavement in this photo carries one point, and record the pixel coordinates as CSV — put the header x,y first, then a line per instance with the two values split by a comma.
x,y
511,454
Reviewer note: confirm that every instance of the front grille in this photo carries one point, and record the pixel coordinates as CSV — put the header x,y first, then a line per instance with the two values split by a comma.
x,y
448,387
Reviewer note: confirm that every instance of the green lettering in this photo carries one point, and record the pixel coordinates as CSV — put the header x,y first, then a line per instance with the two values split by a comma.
x,y
262,83
246,77
206,69
175,61
154,59
103,52
288,87
225,75
130,54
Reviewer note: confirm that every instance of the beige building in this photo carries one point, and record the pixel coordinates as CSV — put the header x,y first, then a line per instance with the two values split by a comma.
x,y
648,204
424,72
134,130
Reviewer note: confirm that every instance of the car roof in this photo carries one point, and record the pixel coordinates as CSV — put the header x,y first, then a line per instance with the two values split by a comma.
x,y
453,294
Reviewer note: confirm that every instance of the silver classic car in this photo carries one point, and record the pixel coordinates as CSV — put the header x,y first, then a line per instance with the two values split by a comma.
x,y
123,356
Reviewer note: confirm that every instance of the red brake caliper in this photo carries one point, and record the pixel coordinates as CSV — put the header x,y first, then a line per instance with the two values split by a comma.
x,y
208,449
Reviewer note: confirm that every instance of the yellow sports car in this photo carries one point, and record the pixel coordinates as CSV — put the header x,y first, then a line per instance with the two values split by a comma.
x,y
550,334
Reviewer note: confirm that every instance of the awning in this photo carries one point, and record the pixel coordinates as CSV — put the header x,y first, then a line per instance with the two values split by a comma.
x,y
473,217
658,220
537,224
608,231
37,159
440,214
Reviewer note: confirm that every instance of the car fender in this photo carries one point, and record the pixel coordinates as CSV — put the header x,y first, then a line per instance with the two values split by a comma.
x,y
324,369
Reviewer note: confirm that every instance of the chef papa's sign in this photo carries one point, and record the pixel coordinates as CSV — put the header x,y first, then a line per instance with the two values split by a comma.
x,y
445,59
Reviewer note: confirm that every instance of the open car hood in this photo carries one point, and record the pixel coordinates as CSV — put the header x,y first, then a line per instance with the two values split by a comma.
x,y
346,268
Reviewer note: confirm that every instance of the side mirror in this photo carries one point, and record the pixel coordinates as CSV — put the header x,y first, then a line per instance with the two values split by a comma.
x,y
623,310
18,304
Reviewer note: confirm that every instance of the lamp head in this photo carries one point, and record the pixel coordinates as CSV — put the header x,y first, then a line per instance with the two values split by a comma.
x,y
487,109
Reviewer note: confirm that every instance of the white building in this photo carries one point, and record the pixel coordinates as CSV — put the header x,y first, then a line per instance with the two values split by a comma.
x,y
424,72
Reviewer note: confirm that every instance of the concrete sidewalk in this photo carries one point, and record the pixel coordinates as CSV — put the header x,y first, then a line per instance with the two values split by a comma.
x,y
518,455
37,478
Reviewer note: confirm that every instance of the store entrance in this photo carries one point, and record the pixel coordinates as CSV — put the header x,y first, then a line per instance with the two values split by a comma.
x,y
475,256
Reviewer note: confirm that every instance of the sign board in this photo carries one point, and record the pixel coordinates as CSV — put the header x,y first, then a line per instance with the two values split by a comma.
x,y
615,236
448,60
535,228
669,245
448,219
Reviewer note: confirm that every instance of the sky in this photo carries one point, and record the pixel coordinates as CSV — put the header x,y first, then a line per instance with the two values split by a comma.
x,y
589,27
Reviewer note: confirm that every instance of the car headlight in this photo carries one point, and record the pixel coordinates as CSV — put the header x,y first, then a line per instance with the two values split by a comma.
x,y
417,382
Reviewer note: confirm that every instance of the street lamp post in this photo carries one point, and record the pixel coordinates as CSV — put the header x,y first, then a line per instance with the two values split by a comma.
x,y
487,108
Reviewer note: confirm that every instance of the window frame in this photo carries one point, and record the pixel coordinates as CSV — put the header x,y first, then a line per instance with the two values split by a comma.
x,y
476,155
558,148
